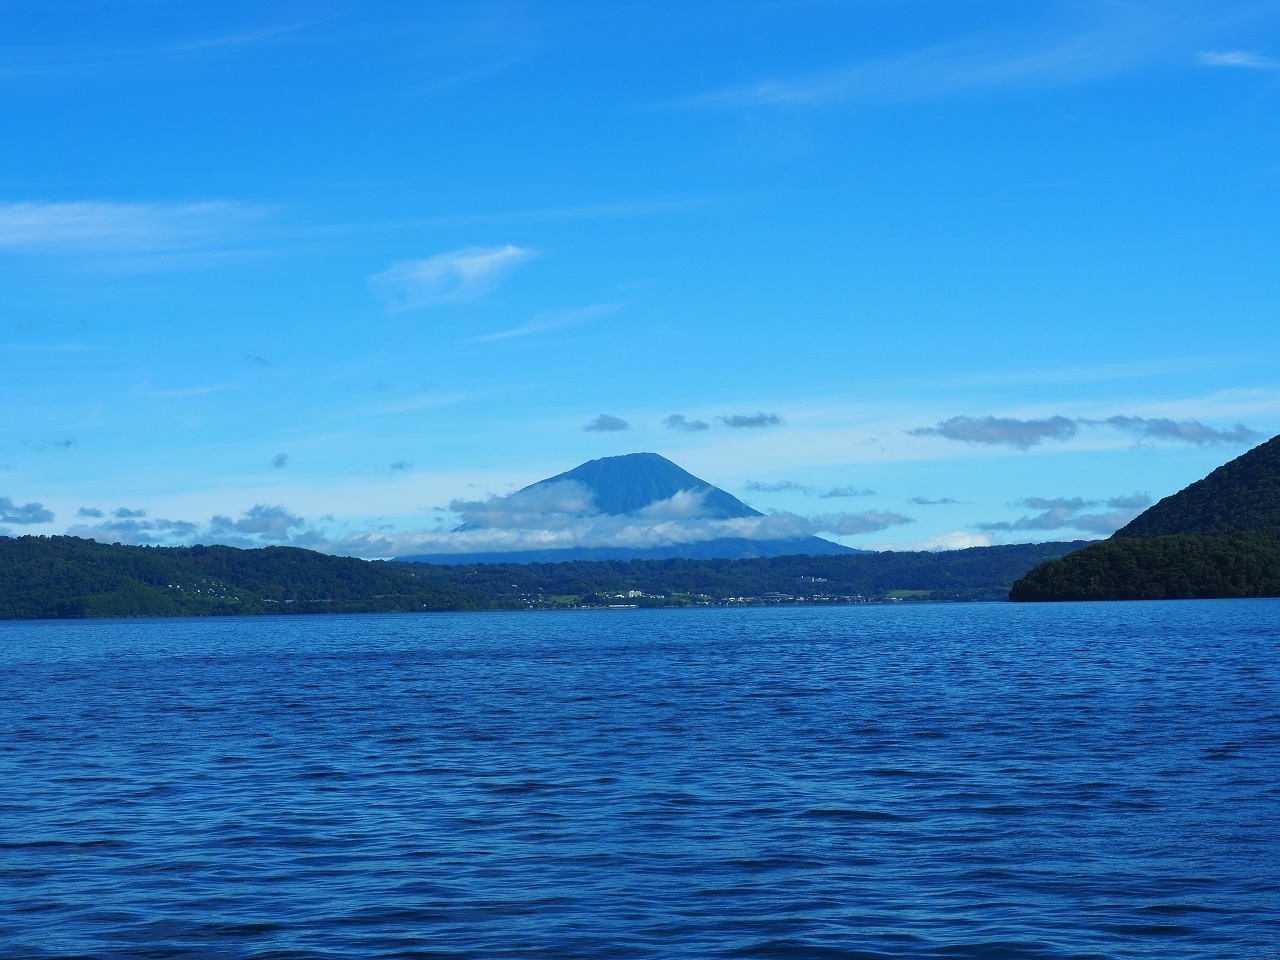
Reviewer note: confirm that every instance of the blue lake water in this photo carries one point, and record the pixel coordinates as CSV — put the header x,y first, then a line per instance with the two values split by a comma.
x,y
986,780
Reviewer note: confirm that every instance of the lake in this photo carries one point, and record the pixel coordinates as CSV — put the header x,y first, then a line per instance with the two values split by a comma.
x,y
981,780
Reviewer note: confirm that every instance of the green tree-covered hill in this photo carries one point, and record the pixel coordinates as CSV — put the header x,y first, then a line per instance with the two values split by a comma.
x,y
1218,537
1240,498
71,577
1178,567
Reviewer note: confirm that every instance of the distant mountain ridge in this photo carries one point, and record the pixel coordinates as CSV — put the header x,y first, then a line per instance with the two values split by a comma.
x,y
69,577
625,485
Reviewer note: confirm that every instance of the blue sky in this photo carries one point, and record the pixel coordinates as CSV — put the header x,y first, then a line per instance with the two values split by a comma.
x,y
313,272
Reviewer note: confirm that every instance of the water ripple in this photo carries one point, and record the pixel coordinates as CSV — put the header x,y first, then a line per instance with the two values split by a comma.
x,y
978,781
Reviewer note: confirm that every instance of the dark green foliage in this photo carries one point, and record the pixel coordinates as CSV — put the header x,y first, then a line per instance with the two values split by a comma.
x,y
979,573
1239,498
1183,567
1219,537
70,577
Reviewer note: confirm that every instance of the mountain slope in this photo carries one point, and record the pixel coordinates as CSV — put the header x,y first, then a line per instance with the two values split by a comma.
x,y
631,482
623,487
1239,498
1218,537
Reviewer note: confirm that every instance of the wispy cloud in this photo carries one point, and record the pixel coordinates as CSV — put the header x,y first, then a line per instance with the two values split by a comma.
x,y
24,514
259,526
741,421
62,443
70,61
1024,434
1132,501
1245,59
781,486
678,421
551,320
1186,431
926,502
146,389
452,277
1115,38
836,492
606,423
104,227
1068,512
868,521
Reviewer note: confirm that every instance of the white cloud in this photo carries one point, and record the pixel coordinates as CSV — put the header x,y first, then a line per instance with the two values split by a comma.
x,y
452,277
1109,39
563,515
549,321
1237,58
146,389
100,226
954,540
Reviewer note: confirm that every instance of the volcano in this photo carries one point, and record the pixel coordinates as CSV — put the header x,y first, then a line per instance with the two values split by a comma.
x,y
643,494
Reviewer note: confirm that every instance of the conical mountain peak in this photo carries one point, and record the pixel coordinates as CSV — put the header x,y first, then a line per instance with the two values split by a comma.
x,y
625,484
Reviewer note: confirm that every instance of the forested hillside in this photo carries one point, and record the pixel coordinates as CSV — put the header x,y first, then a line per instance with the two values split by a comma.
x,y
71,577
1240,498
1217,537
1180,567
42,577
978,573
